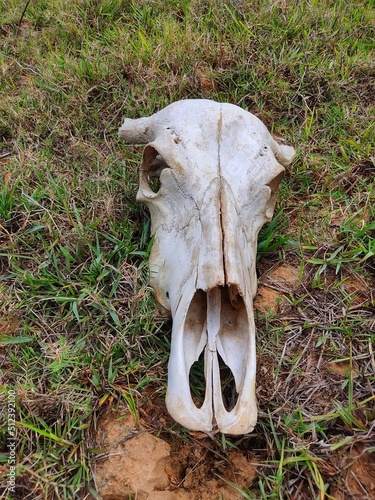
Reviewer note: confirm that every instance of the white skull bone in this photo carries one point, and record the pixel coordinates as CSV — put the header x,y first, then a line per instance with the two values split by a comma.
x,y
219,171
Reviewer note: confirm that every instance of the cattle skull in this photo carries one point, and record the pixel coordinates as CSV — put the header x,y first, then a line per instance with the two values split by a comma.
x,y
219,170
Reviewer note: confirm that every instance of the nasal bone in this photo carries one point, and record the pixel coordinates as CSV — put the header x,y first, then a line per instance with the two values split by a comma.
x,y
213,318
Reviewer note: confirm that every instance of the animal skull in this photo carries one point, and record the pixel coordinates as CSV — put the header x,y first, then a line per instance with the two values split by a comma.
x,y
219,170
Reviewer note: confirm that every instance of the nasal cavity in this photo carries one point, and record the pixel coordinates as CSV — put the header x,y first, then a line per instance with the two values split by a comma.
x,y
195,339
231,313
152,166
228,385
197,381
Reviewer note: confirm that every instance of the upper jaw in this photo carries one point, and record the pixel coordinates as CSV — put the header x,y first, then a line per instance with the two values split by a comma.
x,y
211,323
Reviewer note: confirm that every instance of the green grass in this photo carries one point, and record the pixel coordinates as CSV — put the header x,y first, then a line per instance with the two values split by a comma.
x,y
78,326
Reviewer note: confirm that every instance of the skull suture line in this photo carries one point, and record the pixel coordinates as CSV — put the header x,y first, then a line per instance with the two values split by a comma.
x,y
219,171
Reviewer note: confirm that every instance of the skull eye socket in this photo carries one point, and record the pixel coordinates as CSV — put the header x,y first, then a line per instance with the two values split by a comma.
x,y
275,183
274,188
152,166
154,172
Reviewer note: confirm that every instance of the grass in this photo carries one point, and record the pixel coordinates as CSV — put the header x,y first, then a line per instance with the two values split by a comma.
x,y
78,328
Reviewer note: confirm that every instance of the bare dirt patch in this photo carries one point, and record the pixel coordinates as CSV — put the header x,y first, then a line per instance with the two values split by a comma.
x,y
9,325
359,290
357,468
273,286
136,462
267,300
